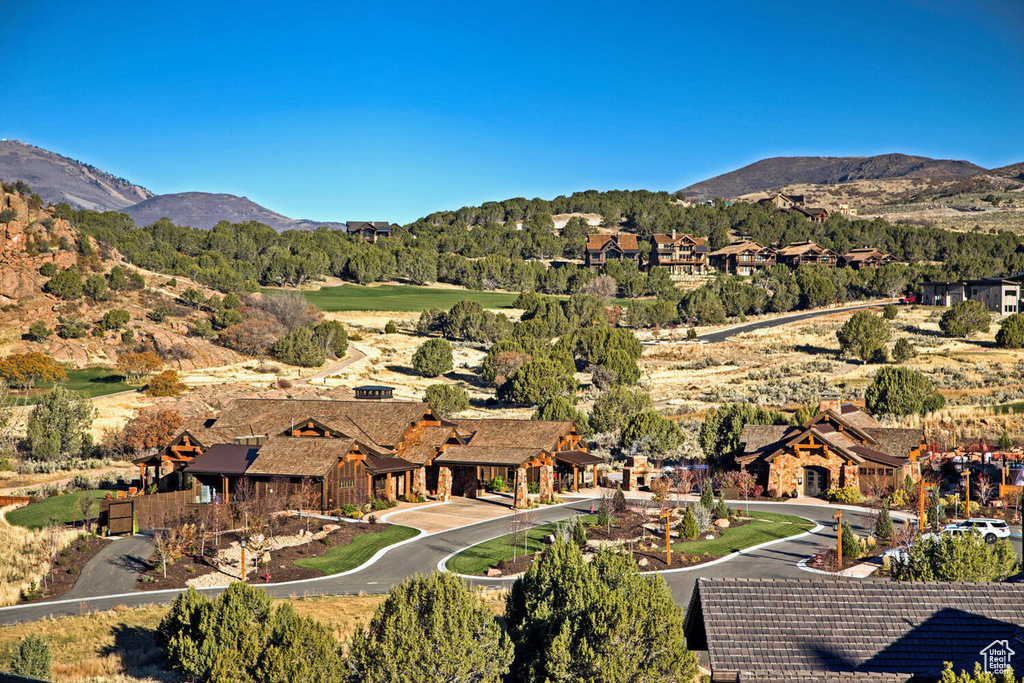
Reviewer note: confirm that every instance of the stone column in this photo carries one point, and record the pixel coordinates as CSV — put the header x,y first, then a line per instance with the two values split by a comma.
x,y
471,482
389,486
627,478
419,482
444,484
547,483
520,495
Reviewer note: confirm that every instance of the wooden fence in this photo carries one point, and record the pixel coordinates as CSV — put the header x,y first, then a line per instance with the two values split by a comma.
x,y
14,500
123,515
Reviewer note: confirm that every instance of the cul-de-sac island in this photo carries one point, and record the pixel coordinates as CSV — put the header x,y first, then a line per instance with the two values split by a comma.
x,y
765,428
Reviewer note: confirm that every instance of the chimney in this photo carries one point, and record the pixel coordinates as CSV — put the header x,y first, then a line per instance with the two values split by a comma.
x,y
673,233
830,402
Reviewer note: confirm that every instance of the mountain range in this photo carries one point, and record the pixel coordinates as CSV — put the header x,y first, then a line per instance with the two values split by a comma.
x,y
58,178
776,172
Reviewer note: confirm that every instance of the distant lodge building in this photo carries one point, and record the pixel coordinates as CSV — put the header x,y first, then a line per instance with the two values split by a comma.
x,y
840,446
998,294
680,254
806,253
621,246
370,231
684,254
346,452
743,257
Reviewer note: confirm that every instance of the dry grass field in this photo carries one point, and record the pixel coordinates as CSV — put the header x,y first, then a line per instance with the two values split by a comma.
x,y
118,646
24,559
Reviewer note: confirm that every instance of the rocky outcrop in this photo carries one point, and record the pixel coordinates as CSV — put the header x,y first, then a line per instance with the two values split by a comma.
x,y
33,237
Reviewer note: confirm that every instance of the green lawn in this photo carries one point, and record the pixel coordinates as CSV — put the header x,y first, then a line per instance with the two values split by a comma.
x,y
341,558
476,559
407,298
90,382
400,298
768,526
58,509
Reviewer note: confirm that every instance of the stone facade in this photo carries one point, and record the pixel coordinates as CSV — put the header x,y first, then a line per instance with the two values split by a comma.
x,y
521,491
786,472
547,482
444,484
470,482
419,482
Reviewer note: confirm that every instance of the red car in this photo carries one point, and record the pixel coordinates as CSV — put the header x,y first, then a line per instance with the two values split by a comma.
x,y
909,299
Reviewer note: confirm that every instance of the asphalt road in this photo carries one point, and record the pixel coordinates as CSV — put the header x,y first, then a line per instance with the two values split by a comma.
x,y
422,555
724,335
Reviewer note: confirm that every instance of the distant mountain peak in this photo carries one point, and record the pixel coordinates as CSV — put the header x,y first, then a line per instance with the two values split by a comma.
x,y
775,172
57,178
205,209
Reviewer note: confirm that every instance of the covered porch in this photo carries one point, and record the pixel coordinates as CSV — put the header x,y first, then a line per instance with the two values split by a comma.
x,y
392,478
575,470
465,471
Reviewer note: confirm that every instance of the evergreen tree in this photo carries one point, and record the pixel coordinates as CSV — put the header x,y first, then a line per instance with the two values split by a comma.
x,y
902,391
619,504
600,621
863,335
688,530
707,497
1011,332
650,432
30,657
66,284
903,350
300,348
58,427
433,358
562,409
964,318
331,336
883,525
613,408
430,628
445,399
721,510
851,546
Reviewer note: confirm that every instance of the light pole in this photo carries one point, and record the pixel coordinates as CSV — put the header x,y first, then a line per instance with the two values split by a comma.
x,y
243,543
839,537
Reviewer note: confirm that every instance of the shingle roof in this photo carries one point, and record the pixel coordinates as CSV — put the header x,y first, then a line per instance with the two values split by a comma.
x,y
420,444
383,423
737,247
777,629
896,441
797,248
299,456
681,237
379,465
625,241
224,458
578,458
508,456
535,434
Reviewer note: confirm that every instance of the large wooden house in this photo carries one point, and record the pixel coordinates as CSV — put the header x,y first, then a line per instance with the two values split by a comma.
x,y
346,452
743,257
840,446
604,248
680,254
371,231
806,253
868,257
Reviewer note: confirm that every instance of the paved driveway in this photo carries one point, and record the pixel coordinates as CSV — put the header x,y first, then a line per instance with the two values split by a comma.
x,y
458,513
114,569
729,332
422,555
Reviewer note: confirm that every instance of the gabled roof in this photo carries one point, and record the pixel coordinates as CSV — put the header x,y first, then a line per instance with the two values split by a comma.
x,y
796,629
379,465
208,436
379,226
299,456
798,248
222,458
578,458
626,242
738,247
382,423
679,239
507,456
421,444
534,434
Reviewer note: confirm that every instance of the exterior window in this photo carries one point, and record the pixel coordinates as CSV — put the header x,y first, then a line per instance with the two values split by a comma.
x,y
863,470
888,472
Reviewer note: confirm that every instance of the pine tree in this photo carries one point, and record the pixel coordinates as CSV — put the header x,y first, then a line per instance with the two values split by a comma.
x,y
707,497
430,628
30,657
600,621
688,530
721,511
619,500
851,546
883,525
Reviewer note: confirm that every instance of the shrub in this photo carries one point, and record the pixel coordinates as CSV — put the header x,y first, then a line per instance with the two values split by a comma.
x,y
58,427
688,530
533,487
202,328
903,350
96,288
956,557
30,657
299,348
128,338
332,337
165,384
851,544
445,399
391,327
613,408
964,318
39,331
883,525
497,485
849,495
889,311
863,334
350,511
8,215
1011,332
721,511
619,504
114,319
251,338
442,630
66,284
159,314
116,279
72,328
381,504
902,391
48,269
433,358
650,432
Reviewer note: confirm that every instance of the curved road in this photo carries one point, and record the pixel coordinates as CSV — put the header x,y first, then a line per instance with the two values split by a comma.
x,y
724,335
422,554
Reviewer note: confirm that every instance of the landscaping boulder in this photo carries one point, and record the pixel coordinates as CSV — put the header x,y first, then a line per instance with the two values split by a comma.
x,y
722,523
709,537
493,571
549,539
643,562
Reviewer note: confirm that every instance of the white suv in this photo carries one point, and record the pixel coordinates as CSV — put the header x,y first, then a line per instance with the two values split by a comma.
x,y
989,529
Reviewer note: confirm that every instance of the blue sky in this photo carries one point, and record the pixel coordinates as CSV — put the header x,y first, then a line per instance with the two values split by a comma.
x,y
391,110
